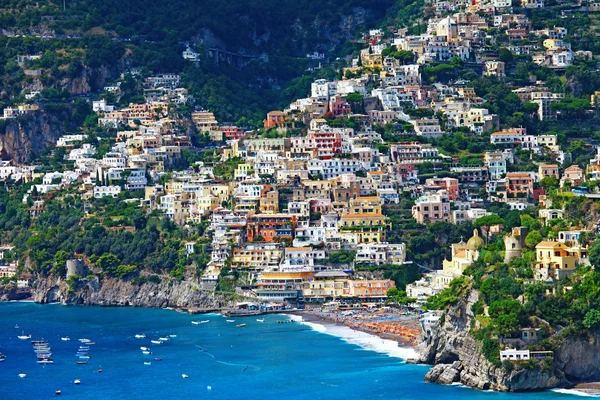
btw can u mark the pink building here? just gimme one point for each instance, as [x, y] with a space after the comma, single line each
[450, 185]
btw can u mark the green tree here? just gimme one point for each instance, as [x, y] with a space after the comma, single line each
[533, 238]
[108, 263]
[591, 319]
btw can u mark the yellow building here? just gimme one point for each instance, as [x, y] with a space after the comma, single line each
[595, 98]
[326, 289]
[372, 61]
[467, 92]
[206, 204]
[368, 227]
[365, 204]
[463, 255]
[221, 191]
[555, 260]
[257, 257]
[269, 203]
[552, 44]
[205, 121]
[243, 171]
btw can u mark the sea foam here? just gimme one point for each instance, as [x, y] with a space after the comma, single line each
[365, 340]
[575, 392]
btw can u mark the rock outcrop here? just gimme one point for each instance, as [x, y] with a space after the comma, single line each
[29, 134]
[111, 292]
[457, 357]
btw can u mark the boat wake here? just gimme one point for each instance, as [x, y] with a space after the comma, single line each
[365, 340]
[203, 350]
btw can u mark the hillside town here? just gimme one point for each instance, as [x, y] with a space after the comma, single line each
[302, 207]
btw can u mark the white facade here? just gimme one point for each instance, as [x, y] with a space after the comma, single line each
[102, 191]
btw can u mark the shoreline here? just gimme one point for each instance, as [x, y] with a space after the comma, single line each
[335, 319]
[367, 341]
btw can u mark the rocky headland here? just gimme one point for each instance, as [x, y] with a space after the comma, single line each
[111, 292]
[457, 357]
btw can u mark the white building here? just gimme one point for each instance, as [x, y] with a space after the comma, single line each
[102, 191]
[380, 253]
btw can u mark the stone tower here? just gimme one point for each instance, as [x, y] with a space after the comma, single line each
[514, 243]
[76, 267]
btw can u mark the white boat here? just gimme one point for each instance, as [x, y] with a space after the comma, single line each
[164, 339]
[172, 336]
[83, 357]
[144, 348]
[45, 361]
[138, 336]
[260, 320]
[196, 322]
[22, 375]
[147, 363]
[65, 339]
[230, 320]
[147, 352]
[205, 321]
[77, 381]
[2, 357]
[209, 388]
[85, 340]
[156, 341]
[184, 376]
[241, 325]
[24, 337]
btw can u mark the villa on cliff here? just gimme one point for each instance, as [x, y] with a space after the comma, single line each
[462, 256]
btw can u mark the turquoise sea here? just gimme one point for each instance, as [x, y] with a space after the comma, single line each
[260, 361]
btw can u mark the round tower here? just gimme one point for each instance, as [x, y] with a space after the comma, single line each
[75, 267]
[513, 248]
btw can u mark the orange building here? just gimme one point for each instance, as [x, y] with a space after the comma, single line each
[270, 226]
[274, 119]
[519, 185]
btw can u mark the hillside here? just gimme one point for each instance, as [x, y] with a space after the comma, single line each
[253, 54]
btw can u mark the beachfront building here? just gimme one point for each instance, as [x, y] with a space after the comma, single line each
[280, 286]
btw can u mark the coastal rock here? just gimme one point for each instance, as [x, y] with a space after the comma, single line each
[112, 292]
[445, 374]
[457, 357]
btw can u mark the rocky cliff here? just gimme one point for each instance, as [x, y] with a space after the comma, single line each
[29, 134]
[457, 357]
[111, 292]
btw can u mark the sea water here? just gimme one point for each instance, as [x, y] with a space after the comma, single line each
[263, 360]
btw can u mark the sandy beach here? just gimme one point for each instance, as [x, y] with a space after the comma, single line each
[404, 329]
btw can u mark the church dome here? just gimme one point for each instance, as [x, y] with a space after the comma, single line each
[475, 242]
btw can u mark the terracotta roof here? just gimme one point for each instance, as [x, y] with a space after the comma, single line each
[549, 244]
[363, 215]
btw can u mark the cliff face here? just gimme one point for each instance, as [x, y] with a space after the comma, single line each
[91, 79]
[457, 357]
[30, 134]
[110, 292]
